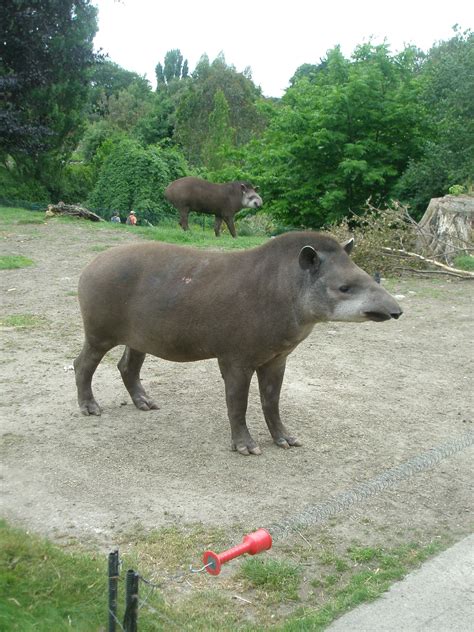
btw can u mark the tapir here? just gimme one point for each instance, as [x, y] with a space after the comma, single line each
[249, 309]
[221, 200]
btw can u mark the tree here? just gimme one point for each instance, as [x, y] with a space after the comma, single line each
[220, 135]
[174, 68]
[134, 177]
[107, 80]
[447, 92]
[46, 49]
[343, 134]
[196, 101]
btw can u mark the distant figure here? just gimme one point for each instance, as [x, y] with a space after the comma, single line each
[131, 219]
[116, 218]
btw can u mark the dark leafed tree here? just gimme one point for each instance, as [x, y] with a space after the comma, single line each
[46, 51]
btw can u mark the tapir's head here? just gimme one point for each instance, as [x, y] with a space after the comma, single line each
[250, 197]
[335, 288]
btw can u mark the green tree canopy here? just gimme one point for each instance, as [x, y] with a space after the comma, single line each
[196, 102]
[342, 134]
[447, 81]
[46, 50]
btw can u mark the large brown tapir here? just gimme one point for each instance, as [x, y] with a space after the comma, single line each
[221, 200]
[249, 309]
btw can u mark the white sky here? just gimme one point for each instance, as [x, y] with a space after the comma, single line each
[270, 36]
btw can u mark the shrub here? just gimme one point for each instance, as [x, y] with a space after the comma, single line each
[133, 177]
[389, 227]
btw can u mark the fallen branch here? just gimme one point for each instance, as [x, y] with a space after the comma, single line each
[72, 210]
[406, 253]
[418, 271]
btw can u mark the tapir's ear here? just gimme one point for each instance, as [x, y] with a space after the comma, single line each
[243, 187]
[309, 259]
[348, 245]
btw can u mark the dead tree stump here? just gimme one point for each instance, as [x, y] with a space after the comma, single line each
[446, 228]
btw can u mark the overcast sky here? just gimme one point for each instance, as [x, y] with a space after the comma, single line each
[271, 36]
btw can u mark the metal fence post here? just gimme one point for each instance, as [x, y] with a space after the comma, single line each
[130, 620]
[113, 588]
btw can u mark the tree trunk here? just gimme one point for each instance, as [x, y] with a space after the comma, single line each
[446, 228]
[73, 210]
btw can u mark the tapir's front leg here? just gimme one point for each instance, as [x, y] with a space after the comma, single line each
[270, 378]
[237, 382]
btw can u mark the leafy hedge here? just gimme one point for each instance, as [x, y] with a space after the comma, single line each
[134, 177]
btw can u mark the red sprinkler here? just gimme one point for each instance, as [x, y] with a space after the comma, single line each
[252, 543]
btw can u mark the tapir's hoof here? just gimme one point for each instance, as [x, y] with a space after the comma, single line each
[90, 407]
[288, 442]
[246, 450]
[145, 403]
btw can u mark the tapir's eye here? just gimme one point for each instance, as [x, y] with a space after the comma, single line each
[344, 288]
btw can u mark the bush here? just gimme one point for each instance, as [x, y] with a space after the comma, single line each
[14, 188]
[133, 177]
[378, 228]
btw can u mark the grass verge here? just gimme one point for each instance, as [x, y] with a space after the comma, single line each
[47, 588]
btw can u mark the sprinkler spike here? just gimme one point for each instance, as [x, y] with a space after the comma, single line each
[253, 543]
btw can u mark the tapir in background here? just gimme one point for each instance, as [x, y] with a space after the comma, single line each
[249, 309]
[221, 200]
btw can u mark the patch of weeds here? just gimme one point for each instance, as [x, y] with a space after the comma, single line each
[464, 262]
[98, 248]
[363, 554]
[31, 220]
[71, 293]
[330, 580]
[173, 547]
[12, 262]
[21, 321]
[375, 571]
[280, 578]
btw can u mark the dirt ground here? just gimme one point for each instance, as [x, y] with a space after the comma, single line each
[361, 397]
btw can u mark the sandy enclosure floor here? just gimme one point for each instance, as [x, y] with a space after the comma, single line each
[361, 397]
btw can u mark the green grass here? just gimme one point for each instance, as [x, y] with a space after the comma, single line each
[46, 588]
[464, 262]
[365, 575]
[12, 262]
[10, 215]
[26, 321]
[279, 579]
[168, 231]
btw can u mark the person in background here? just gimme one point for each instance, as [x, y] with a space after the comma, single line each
[132, 219]
[116, 218]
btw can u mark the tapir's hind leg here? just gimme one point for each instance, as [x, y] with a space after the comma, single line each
[84, 367]
[129, 366]
[270, 378]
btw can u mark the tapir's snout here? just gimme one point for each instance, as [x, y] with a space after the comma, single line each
[384, 307]
[381, 316]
